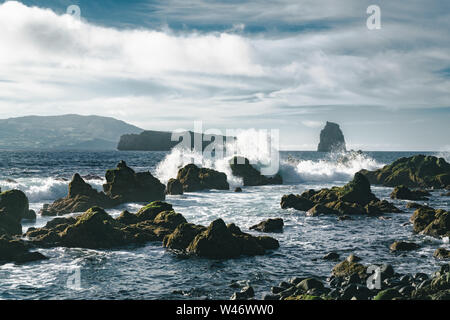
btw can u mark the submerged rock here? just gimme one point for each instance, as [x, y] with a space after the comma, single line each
[218, 241]
[15, 250]
[269, 225]
[404, 193]
[124, 185]
[193, 178]
[241, 167]
[80, 198]
[349, 267]
[331, 139]
[355, 198]
[414, 172]
[428, 221]
[13, 208]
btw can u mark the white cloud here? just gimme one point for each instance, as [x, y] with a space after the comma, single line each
[156, 79]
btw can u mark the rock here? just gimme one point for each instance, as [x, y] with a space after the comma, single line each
[403, 246]
[442, 253]
[331, 139]
[221, 242]
[415, 205]
[436, 288]
[331, 256]
[319, 209]
[194, 179]
[15, 250]
[80, 198]
[183, 235]
[124, 185]
[435, 223]
[404, 193]
[348, 267]
[151, 210]
[238, 189]
[31, 215]
[95, 229]
[13, 208]
[296, 202]
[174, 187]
[388, 294]
[270, 225]
[241, 167]
[309, 284]
[355, 198]
[419, 171]
[344, 218]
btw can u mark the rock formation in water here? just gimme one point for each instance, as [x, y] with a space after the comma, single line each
[162, 141]
[241, 167]
[122, 185]
[354, 198]
[414, 172]
[193, 178]
[331, 138]
[431, 222]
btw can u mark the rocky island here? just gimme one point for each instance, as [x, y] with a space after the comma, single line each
[331, 138]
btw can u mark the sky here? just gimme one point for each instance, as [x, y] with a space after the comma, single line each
[278, 64]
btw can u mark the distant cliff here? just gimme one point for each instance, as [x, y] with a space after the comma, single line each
[158, 141]
[331, 138]
[65, 132]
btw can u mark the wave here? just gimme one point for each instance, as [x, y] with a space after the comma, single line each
[331, 167]
[43, 189]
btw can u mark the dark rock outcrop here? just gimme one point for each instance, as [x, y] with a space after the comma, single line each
[442, 254]
[355, 198]
[414, 172]
[428, 221]
[331, 138]
[218, 241]
[269, 225]
[80, 198]
[15, 250]
[193, 178]
[437, 288]
[96, 229]
[174, 187]
[125, 185]
[403, 246]
[404, 193]
[241, 167]
[13, 208]
[349, 267]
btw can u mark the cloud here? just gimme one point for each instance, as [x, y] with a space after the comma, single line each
[227, 75]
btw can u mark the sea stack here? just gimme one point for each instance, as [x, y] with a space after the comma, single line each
[331, 138]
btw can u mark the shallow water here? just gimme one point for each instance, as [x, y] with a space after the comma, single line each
[151, 272]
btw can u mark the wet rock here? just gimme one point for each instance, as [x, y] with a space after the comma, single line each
[241, 167]
[80, 198]
[331, 139]
[271, 297]
[344, 218]
[245, 294]
[124, 185]
[194, 179]
[151, 210]
[404, 193]
[442, 254]
[403, 246]
[414, 172]
[238, 189]
[16, 250]
[174, 187]
[13, 208]
[270, 225]
[355, 198]
[388, 294]
[435, 223]
[183, 235]
[309, 284]
[296, 202]
[415, 205]
[350, 266]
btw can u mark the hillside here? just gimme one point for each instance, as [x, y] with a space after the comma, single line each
[64, 132]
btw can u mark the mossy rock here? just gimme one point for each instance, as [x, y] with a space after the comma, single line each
[388, 294]
[151, 210]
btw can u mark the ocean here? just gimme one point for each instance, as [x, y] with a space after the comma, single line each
[151, 272]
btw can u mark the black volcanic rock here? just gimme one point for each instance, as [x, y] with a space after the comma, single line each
[413, 172]
[193, 178]
[13, 208]
[331, 138]
[241, 167]
[162, 141]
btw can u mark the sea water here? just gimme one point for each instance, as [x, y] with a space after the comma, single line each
[151, 272]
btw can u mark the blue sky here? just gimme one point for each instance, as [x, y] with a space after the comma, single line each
[288, 65]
